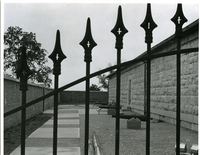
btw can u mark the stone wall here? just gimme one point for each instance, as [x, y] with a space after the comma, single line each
[112, 89]
[12, 100]
[78, 97]
[163, 83]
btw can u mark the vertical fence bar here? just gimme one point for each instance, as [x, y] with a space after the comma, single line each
[145, 87]
[178, 19]
[117, 131]
[55, 118]
[57, 57]
[23, 123]
[148, 26]
[23, 72]
[87, 100]
[148, 115]
[88, 44]
[119, 30]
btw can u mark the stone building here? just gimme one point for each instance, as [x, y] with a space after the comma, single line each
[163, 82]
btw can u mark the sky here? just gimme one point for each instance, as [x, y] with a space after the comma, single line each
[45, 19]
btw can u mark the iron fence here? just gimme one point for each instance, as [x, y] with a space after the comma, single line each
[88, 44]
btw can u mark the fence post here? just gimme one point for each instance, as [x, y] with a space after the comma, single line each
[178, 19]
[148, 25]
[88, 44]
[23, 72]
[119, 30]
[57, 56]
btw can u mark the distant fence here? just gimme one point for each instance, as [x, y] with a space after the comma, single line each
[12, 99]
[78, 97]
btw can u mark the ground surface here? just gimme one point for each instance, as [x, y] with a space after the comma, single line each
[132, 142]
[12, 136]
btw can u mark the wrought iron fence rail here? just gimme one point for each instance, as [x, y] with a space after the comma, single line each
[28, 104]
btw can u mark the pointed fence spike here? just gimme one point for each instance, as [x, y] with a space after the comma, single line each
[23, 71]
[179, 19]
[57, 56]
[23, 67]
[88, 42]
[148, 25]
[119, 30]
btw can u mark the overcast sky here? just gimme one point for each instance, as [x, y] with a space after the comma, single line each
[45, 19]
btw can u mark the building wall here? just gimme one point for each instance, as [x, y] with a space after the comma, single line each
[112, 89]
[78, 97]
[163, 84]
[12, 100]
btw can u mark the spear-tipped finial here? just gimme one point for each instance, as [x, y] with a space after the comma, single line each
[23, 71]
[119, 30]
[148, 25]
[88, 42]
[57, 56]
[179, 19]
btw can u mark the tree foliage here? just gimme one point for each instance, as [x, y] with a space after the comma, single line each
[14, 39]
[94, 87]
[103, 81]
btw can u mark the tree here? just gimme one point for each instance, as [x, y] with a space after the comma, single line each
[94, 87]
[14, 39]
[103, 81]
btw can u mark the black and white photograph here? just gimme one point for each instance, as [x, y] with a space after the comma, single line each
[99, 77]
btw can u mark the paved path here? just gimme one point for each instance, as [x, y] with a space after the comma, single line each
[40, 142]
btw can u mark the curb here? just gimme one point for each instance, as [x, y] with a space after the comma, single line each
[90, 148]
[94, 148]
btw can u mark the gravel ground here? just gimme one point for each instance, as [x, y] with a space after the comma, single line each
[132, 142]
[12, 136]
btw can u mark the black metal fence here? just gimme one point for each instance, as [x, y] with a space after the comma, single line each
[88, 43]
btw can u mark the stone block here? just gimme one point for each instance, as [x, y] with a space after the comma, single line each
[133, 123]
[195, 110]
[111, 111]
[194, 127]
[186, 125]
[172, 107]
[188, 109]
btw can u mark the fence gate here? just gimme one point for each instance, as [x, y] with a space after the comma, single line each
[88, 43]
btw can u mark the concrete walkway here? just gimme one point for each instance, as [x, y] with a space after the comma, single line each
[40, 142]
